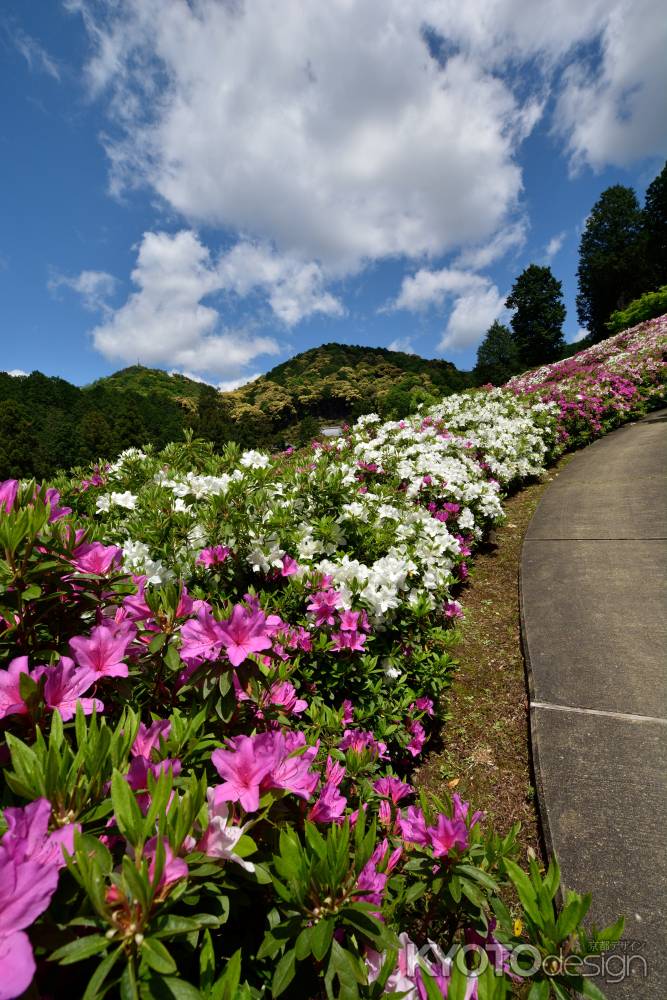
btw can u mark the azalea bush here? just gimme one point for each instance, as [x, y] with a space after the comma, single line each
[607, 384]
[218, 672]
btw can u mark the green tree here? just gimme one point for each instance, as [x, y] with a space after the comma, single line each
[18, 441]
[612, 262]
[537, 301]
[95, 438]
[497, 356]
[655, 228]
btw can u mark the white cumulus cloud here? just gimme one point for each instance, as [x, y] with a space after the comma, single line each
[471, 316]
[165, 322]
[94, 287]
[403, 344]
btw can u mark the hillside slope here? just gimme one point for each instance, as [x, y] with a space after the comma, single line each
[48, 424]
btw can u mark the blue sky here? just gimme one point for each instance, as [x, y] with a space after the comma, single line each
[213, 187]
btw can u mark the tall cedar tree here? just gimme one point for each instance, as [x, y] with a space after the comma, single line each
[655, 227]
[497, 356]
[537, 299]
[612, 260]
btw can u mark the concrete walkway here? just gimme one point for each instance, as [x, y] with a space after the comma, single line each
[594, 624]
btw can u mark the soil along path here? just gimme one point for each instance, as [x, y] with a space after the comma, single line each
[594, 626]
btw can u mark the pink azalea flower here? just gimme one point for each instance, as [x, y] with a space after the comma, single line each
[461, 811]
[255, 764]
[283, 695]
[244, 767]
[290, 566]
[148, 738]
[416, 744]
[174, 868]
[11, 702]
[323, 605]
[8, 492]
[95, 558]
[392, 788]
[423, 705]
[215, 555]
[446, 834]
[353, 641]
[221, 837]
[103, 651]
[349, 621]
[348, 712]
[65, 683]
[359, 741]
[329, 806]
[53, 500]
[201, 636]
[30, 858]
[453, 609]
[244, 633]
[27, 837]
[413, 826]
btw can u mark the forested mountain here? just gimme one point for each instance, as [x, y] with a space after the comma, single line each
[48, 424]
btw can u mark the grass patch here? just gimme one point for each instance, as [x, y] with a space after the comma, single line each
[483, 747]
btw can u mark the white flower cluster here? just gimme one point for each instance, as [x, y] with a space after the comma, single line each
[387, 511]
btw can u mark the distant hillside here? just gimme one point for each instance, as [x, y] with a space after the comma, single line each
[340, 382]
[48, 424]
[147, 381]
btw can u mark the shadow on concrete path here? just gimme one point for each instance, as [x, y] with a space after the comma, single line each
[594, 627]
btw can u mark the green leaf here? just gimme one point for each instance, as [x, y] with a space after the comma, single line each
[179, 989]
[100, 974]
[539, 990]
[206, 962]
[587, 988]
[157, 957]
[284, 973]
[524, 890]
[227, 986]
[321, 937]
[128, 815]
[81, 948]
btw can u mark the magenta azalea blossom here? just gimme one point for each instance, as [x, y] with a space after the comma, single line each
[413, 826]
[244, 633]
[329, 806]
[148, 738]
[103, 652]
[65, 683]
[53, 500]
[202, 636]
[283, 695]
[252, 765]
[353, 641]
[290, 566]
[215, 555]
[323, 605]
[97, 559]
[446, 834]
[30, 858]
[418, 734]
[8, 492]
[244, 767]
[393, 788]
[174, 868]
[11, 702]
